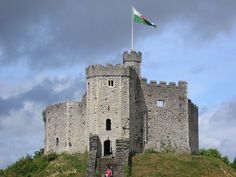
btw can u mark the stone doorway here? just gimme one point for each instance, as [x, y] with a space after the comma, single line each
[107, 147]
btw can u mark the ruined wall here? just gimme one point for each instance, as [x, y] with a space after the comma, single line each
[65, 127]
[167, 116]
[108, 99]
[193, 127]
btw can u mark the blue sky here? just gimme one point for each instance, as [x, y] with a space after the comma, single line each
[46, 45]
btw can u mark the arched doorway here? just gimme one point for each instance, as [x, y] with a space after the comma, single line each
[107, 147]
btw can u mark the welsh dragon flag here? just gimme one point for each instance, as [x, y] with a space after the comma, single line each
[139, 18]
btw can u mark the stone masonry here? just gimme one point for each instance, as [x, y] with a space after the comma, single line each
[121, 105]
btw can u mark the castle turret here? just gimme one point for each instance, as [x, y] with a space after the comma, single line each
[133, 59]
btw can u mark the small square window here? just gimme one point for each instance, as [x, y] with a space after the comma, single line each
[110, 83]
[160, 103]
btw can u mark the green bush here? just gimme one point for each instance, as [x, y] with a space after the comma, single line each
[233, 165]
[150, 150]
[225, 159]
[215, 153]
[51, 157]
[211, 153]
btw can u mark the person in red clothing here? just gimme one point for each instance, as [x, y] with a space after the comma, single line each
[108, 172]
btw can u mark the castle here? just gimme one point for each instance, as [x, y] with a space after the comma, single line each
[121, 105]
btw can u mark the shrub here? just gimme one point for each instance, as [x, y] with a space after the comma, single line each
[51, 157]
[215, 153]
[233, 165]
[225, 159]
[150, 150]
[210, 152]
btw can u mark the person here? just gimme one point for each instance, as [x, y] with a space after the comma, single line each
[108, 172]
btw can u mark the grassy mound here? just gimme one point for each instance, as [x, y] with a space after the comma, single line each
[149, 164]
[173, 165]
[53, 165]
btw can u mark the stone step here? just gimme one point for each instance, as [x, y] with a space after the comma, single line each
[117, 165]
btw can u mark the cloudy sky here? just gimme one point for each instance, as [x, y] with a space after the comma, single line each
[45, 46]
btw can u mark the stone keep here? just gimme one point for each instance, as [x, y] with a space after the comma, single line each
[120, 104]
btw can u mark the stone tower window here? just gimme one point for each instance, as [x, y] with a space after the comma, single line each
[160, 103]
[108, 124]
[110, 83]
[57, 141]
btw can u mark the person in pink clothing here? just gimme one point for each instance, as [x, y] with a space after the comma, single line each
[108, 172]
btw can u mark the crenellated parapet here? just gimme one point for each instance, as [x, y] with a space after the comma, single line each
[107, 71]
[163, 84]
[64, 104]
[133, 56]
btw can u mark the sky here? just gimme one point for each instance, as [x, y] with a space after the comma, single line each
[45, 46]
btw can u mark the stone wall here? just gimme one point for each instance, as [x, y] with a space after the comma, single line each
[65, 128]
[94, 153]
[167, 116]
[138, 112]
[193, 127]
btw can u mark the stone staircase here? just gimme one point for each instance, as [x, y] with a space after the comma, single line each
[117, 166]
[98, 163]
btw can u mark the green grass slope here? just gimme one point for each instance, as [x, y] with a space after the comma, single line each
[173, 165]
[52, 165]
[149, 164]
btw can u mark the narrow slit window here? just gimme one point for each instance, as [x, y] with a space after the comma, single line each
[57, 141]
[108, 124]
[110, 83]
[160, 103]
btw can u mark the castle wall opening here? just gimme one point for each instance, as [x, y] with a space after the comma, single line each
[108, 124]
[57, 141]
[107, 148]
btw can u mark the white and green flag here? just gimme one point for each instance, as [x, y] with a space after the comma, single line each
[139, 18]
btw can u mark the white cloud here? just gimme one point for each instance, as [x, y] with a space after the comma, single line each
[21, 132]
[217, 129]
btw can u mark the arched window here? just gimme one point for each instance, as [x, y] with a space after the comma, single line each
[57, 141]
[108, 124]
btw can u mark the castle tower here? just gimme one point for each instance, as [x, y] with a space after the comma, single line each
[107, 108]
[133, 59]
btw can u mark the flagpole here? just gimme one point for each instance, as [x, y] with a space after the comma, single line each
[132, 30]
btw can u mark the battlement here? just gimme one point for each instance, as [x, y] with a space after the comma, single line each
[108, 70]
[133, 56]
[63, 106]
[163, 84]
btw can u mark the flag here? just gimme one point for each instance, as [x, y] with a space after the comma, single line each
[139, 18]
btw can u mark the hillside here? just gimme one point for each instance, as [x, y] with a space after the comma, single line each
[48, 166]
[144, 165]
[172, 165]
